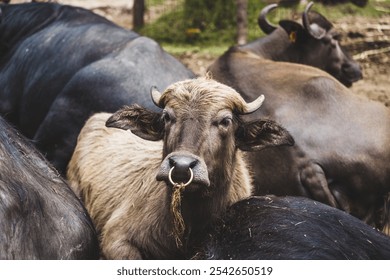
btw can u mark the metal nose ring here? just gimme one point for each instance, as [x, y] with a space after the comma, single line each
[182, 184]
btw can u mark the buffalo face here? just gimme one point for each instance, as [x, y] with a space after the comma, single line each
[324, 44]
[201, 127]
[315, 43]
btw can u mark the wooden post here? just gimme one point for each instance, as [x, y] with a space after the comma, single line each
[138, 13]
[242, 21]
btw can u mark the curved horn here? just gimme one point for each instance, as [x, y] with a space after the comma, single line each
[254, 105]
[262, 21]
[156, 95]
[317, 33]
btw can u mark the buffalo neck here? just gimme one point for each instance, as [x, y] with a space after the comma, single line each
[201, 208]
[275, 46]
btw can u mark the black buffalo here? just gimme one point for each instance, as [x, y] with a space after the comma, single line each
[341, 154]
[315, 43]
[291, 228]
[40, 216]
[59, 64]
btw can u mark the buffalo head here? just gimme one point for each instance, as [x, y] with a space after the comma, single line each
[315, 43]
[202, 127]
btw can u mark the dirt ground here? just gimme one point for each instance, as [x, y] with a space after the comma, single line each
[367, 40]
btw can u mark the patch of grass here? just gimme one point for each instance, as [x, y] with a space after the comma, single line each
[167, 29]
[175, 30]
[177, 50]
[150, 3]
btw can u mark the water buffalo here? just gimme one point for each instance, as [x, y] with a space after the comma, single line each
[315, 43]
[341, 154]
[40, 216]
[292, 228]
[60, 64]
[198, 167]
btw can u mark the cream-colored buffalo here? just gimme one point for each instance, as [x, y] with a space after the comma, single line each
[155, 199]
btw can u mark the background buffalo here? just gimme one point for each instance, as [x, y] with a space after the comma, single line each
[59, 64]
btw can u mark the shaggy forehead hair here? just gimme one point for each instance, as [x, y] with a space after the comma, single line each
[204, 93]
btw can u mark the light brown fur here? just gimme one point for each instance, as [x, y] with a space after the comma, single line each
[114, 173]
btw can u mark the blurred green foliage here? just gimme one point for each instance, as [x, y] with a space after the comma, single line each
[213, 23]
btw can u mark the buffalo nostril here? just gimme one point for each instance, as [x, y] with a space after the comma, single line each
[182, 162]
[182, 167]
[352, 72]
[193, 164]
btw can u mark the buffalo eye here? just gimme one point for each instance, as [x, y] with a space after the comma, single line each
[326, 40]
[225, 122]
[167, 117]
[337, 36]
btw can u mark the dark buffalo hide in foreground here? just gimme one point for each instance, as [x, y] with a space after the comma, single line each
[40, 216]
[59, 64]
[293, 228]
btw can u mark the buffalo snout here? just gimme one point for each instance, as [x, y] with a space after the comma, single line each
[183, 168]
[352, 72]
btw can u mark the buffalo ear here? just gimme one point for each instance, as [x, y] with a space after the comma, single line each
[260, 134]
[294, 30]
[320, 20]
[142, 122]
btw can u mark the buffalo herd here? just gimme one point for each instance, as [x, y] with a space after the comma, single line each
[270, 155]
